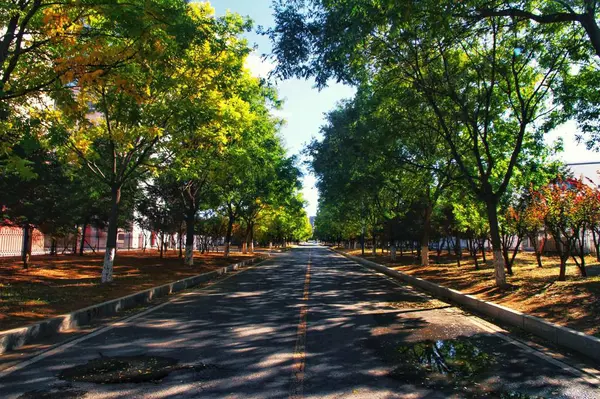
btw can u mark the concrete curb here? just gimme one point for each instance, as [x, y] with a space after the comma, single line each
[15, 338]
[575, 340]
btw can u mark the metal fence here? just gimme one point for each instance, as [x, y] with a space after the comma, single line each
[94, 240]
[12, 241]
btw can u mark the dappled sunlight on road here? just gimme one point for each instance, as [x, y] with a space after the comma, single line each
[238, 338]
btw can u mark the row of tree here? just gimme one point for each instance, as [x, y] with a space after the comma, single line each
[452, 102]
[141, 109]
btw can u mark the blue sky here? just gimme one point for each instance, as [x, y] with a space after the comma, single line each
[305, 106]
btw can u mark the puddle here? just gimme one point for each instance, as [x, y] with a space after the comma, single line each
[447, 359]
[456, 366]
[442, 362]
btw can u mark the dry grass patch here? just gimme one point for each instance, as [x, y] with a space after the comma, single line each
[54, 285]
[573, 303]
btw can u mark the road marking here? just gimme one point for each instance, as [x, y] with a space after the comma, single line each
[589, 376]
[297, 378]
[121, 323]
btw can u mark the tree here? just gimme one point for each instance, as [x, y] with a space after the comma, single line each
[47, 44]
[253, 152]
[133, 109]
[208, 85]
[159, 210]
[563, 203]
[487, 82]
[40, 202]
[473, 225]
[583, 13]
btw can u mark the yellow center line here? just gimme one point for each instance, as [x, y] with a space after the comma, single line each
[297, 379]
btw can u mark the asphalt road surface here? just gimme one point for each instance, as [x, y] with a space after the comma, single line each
[307, 323]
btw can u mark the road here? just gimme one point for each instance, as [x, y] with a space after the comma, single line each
[307, 323]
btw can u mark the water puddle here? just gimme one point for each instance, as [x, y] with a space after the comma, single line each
[128, 369]
[442, 360]
[457, 366]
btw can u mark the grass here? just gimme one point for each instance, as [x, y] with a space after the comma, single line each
[54, 285]
[574, 303]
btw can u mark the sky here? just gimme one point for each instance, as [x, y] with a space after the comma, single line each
[304, 106]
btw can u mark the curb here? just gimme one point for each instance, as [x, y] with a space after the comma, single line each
[566, 337]
[18, 337]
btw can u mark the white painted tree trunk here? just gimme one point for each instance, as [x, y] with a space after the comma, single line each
[252, 246]
[393, 253]
[499, 272]
[424, 255]
[107, 267]
[226, 251]
[189, 255]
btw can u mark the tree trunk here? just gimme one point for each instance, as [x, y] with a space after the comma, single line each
[53, 246]
[180, 240]
[441, 244]
[228, 236]
[111, 237]
[581, 264]
[393, 251]
[144, 242]
[162, 244]
[499, 272]
[510, 257]
[425, 236]
[190, 234]
[562, 276]
[362, 241]
[458, 250]
[596, 246]
[538, 258]
[536, 248]
[483, 256]
[252, 238]
[75, 240]
[505, 241]
[473, 250]
[374, 244]
[83, 229]
[246, 240]
[26, 248]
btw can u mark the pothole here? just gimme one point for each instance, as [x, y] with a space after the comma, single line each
[128, 369]
[62, 392]
[418, 304]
